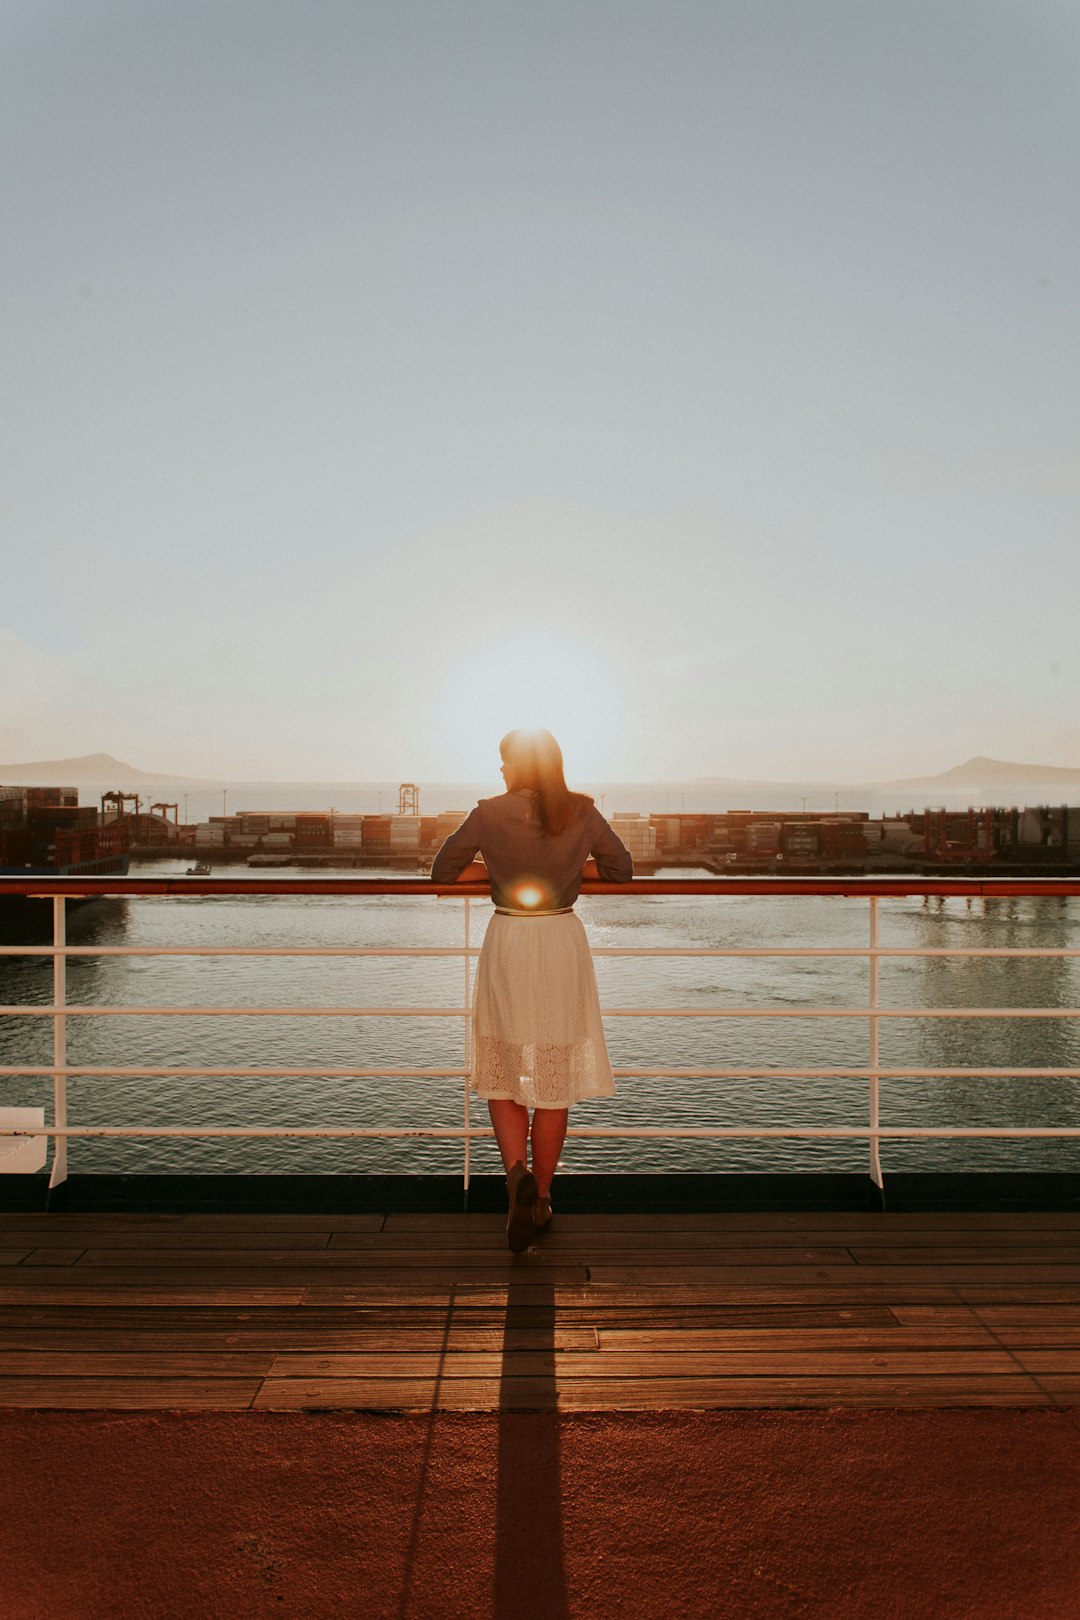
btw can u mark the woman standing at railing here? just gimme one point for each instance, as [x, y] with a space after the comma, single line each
[538, 1039]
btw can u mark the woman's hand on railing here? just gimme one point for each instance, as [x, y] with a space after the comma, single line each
[475, 872]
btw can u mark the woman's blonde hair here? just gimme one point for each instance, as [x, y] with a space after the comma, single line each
[539, 764]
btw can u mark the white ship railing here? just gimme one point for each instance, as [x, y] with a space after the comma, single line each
[872, 1072]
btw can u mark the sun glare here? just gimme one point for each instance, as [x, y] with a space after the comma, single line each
[531, 683]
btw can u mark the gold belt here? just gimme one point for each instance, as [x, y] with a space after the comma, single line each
[505, 911]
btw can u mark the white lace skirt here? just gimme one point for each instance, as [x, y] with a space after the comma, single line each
[538, 1037]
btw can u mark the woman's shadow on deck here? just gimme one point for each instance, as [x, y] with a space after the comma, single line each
[530, 1564]
[530, 1558]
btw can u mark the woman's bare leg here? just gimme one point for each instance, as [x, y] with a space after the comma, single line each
[548, 1135]
[511, 1122]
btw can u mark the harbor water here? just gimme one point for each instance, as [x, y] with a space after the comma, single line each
[774, 1043]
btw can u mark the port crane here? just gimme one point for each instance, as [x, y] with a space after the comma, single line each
[119, 800]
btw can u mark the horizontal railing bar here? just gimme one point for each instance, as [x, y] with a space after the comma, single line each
[957, 1072]
[243, 1130]
[836, 950]
[646, 951]
[239, 950]
[860, 1132]
[100, 1071]
[841, 1012]
[69, 1010]
[857, 1132]
[839, 950]
[853, 885]
[175, 1072]
[75, 1011]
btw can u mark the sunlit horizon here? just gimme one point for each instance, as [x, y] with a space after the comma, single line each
[528, 682]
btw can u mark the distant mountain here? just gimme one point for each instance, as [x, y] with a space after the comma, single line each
[84, 768]
[979, 771]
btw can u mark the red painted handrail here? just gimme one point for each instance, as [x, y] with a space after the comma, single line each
[85, 887]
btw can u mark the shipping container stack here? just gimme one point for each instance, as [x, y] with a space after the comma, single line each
[44, 821]
[51, 798]
[638, 834]
[14, 828]
[313, 831]
[800, 842]
[843, 840]
[349, 833]
[447, 822]
[47, 827]
[404, 834]
[376, 835]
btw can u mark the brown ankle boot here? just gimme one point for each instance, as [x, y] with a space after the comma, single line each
[522, 1193]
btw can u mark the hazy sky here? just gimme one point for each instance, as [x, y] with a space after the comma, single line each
[700, 379]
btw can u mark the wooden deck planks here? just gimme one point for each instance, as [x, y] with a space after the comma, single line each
[311, 1262]
[663, 1240]
[123, 1220]
[404, 1340]
[81, 1278]
[563, 1366]
[764, 1221]
[645, 1394]
[130, 1394]
[154, 1295]
[686, 1248]
[418, 1313]
[998, 1256]
[42, 1240]
[471, 1261]
[129, 1363]
[718, 1275]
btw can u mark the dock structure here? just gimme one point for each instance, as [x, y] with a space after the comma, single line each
[429, 1312]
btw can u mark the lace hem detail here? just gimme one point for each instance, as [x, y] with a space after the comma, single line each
[540, 1074]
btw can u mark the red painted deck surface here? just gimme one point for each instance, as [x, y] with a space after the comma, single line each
[715, 1414]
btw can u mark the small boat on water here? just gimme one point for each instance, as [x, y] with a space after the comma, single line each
[200, 869]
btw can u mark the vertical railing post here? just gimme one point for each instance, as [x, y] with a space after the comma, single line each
[875, 1060]
[468, 1037]
[59, 1023]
